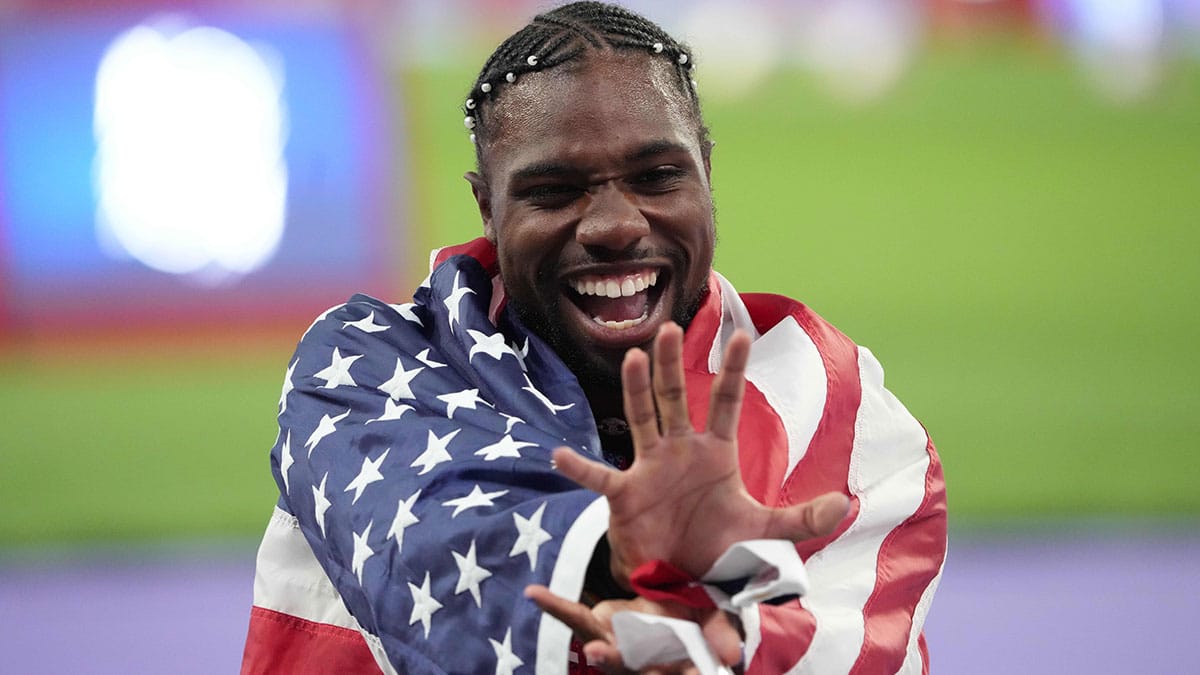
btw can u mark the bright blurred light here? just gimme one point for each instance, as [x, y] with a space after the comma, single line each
[736, 43]
[1120, 45]
[860, 48]
[189, 172]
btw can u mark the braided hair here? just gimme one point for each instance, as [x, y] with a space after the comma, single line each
[565, 34]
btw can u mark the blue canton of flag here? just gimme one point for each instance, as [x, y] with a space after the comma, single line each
[414, 449]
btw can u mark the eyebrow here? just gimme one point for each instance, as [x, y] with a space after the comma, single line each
[553, 168]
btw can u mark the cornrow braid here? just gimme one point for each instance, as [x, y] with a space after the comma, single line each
[563, 35]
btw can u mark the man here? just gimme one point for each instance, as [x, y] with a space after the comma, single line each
[431, 454]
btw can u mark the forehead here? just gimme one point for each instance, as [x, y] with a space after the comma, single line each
[598, 108]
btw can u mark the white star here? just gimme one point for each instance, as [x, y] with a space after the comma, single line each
[506, 661]
[423, 357]
[391, 411]
[369, 473]
[477, 498]
[436, 452]
[398, 387]
[366, 324]
[406, 311]
[404, 518]
[287, 386]
[285, 458]
[424, 606]
[542, 397]
[530, 536]
[362, 551]
[338, 371]
[512, 421]
[522, 354]
[493, 345]
[505, 447]
[425, 282]
[470, 574]
[452, 301]
[467, 398]
[324, 428]
[320, 503]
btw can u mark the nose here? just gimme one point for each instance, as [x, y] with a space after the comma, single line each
[611, 220]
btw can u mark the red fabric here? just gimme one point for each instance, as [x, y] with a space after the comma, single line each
[288, 645]
[661, 581]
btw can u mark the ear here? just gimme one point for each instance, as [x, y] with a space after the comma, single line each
[483, 199]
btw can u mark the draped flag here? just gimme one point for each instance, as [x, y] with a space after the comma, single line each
[417, 497]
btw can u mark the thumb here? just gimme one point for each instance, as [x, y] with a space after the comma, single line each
[812, 519]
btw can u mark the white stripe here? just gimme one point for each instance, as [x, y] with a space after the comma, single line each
[913, 661]
[288, 579]
[734, 315]
[554, 637]
[787, 368]
[887, 475]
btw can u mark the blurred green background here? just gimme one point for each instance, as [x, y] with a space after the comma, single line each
[1020, 255]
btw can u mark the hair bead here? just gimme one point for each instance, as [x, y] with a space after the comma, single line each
[683, 58]
[658, 47]
[470, 104]
[469, 122]
[485, 87]
[532, 60]
[510, 77]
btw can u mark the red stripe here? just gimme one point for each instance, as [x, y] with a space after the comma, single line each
[909, 559]
[283, 644]
[786, 631]
[480, 249]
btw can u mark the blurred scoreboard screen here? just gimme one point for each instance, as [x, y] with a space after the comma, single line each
[167, 167]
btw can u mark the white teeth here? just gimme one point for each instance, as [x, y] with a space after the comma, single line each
[621, 325]
[618, 287]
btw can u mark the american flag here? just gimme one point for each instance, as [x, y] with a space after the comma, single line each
[417, 492]
[414, 451]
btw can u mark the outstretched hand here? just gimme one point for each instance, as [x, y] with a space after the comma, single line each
[683, 500]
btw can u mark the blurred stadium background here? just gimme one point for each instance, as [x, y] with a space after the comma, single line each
[1000, 197]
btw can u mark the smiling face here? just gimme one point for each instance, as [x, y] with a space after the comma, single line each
[596, 194]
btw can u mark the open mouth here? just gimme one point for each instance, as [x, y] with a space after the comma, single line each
[617, 304]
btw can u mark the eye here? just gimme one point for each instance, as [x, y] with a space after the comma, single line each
[658, 179]
[551, 195]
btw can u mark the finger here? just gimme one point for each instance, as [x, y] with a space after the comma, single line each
[669, 389]
[725, 404]
[578, 617]
[639, 398]
[604, 655]
[722, 637]
[815, 518]
[589, 473]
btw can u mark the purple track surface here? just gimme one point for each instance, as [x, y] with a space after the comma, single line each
[1074, 604]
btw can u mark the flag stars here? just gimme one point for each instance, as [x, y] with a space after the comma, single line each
[391, 411]
[424, 605]
[321, 503]
[530, 536]
[366, 324]
[467, 398]
[506, 661]
[337, 373]
[399, 386]
[470, 574]
[403, 520]
[288, 386]
[550, 405]
[369, 473]
[492, 345]
[285, 459]
[436, 452]
[505, 447]
[476, 498]
[362, 552]
[326, 426]
[423, 357]
[522, 354]
[452, 301]
[406, 311]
